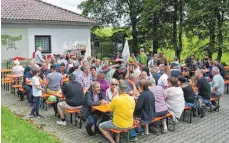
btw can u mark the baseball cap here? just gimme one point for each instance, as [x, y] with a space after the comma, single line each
[62, 65]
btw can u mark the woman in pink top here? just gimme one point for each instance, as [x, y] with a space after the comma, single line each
[160, 104]
[104, 84]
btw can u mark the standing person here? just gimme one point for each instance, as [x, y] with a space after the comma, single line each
[132, 59]
[38, 57]
[37, 92]
[27, 78]
[84, 78]
[142, 57]
[122, 107]
[73, 101]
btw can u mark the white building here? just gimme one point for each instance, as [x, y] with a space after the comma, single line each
[29, 24]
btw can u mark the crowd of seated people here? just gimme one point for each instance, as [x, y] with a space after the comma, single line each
[137, 89]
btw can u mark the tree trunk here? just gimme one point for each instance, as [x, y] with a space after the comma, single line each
[220, 18]
[175, 28]
[212, 37]
[180, 29]
[155, 33]
[134, 35]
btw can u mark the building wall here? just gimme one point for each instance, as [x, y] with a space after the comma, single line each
[21, 45]
[60, 34]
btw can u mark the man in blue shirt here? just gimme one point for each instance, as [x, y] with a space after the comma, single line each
[28, 87]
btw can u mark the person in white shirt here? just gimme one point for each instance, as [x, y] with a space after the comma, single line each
[174, 98]
[37, 92]
[17, 69]
[217, 86]
[163, 80]
[38, 57]
[113, 90]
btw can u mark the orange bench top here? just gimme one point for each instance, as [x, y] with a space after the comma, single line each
[60, 95]
[123, 131]
[187, 108]
[72, 111]
[159, 118]
[17, 86]
[212, 99]
[6, 70]
[226, 82]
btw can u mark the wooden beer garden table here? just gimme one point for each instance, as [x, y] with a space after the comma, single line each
[104, 108]
[6, 70]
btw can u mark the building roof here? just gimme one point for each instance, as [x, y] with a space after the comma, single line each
[39, 11]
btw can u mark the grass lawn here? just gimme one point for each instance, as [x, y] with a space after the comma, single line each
[18, 130]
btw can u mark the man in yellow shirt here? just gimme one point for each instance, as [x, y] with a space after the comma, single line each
[122, 107]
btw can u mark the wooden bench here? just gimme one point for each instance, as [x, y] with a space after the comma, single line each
[47, 103]
[77, 111]
[165, 117]
[16, 86]
[114, 131]
[187, 108]
[217, 99]
[7, 83]
[137, 125]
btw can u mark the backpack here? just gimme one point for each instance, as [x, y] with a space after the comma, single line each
[91, 128]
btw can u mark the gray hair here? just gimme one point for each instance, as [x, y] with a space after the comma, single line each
[94, 83]
[215, 69]
[114, 81]
[84, 67]
[72, 77]
[132, 76]
[151, 82]
[123, 87]
[35, 70]
[31, 62]
[76, 65]
[39, 48]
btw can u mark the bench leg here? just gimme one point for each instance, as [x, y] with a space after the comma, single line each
[227, 87]
[46, 107]
[127, 137]
[71, 117]
[184, 115]
[190, 114]
[218, 105]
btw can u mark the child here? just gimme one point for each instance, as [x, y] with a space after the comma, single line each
[37, 92]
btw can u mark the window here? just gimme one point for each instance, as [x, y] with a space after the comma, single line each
[44, 42]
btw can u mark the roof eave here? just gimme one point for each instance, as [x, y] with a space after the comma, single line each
[20, 21]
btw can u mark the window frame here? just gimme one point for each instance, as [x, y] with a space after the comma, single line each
[46, 36]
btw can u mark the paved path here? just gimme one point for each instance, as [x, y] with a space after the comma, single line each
[213, 128]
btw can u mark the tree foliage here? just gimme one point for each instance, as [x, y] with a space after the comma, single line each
[157, 24]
